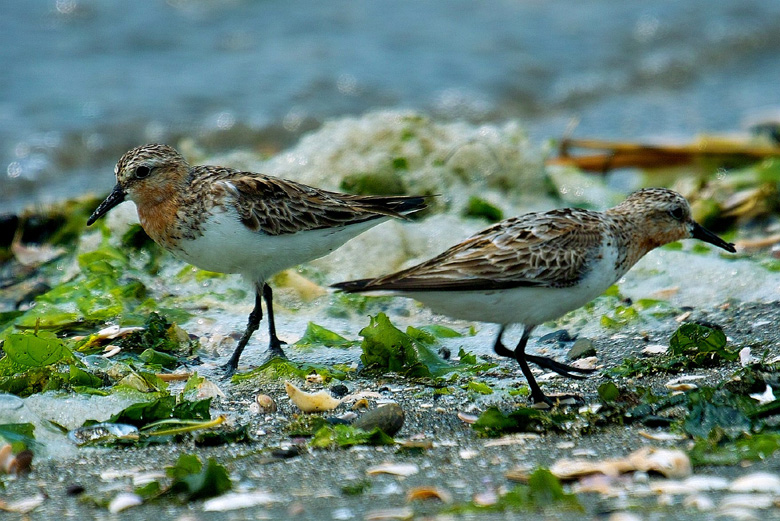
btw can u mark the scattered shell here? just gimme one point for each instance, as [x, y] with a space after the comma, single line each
[597, 483]
[361, 395]
[360, 404]
[428, 492]
[680, 386]
[745, 357]
[111, 350]
[683, 317]
[123, 501]
[314, 378]
[311, 402]
[699, 502]
[519, 474]
[237, 500]
[208, 389]
[265, 403]
[589, 362]
[486, 498]
[767, 396]
[100, 432]
[11, 463]
[623, 516]
[23, 506]
[746, 501]
[467, 418]
[707, 483]
[662, 436]
[512, 439]
[467, 454]
[670, 487]
[669, 463]
[666, 293]
[389, 418]
[396, 469]
[655, 349]
[173, 377]
[112, 332]
[417, 444]
[34, 254]
[757, 482]
[389, 514]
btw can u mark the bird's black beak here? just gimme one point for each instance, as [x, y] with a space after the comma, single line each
[703, 234]
[116, 196]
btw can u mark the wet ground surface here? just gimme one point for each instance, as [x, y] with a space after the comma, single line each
[311, 485]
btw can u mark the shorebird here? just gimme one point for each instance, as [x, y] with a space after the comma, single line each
[536, 267]
[228, 221]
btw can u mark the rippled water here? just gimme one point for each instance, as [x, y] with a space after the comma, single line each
[85, 80]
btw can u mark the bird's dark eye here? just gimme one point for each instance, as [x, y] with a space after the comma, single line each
[142, 171]
[677, 213]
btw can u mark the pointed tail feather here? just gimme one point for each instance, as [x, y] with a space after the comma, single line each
[352, 286]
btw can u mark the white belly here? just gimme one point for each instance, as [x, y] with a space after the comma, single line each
[227, 246]
[523, 305]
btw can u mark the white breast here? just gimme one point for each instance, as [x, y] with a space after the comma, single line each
[227, 246]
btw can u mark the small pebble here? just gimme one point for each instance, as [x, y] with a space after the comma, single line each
[339, 390]
[582, 347]
[389, 418]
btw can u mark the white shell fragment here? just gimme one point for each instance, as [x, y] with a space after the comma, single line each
[467, 418]
[662, 436]
[655, 349]
[745, 357]
[23, 506]
[757, 482]
[311, 402]
[396, 469]
[265, 403]
[389, 514]
[669, 463]
[123, 501]
[767, 396]
[112, 332]
[237, 500]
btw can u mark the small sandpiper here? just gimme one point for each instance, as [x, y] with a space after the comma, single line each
[538, 266]
[228, 221]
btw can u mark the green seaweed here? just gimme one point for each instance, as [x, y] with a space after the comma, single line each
[191, 480]
[21, 436]
[543, 492]
[334, 436]
[413, 353]
[317, 335]
[481, 209]
[478, 387]
[278, 368]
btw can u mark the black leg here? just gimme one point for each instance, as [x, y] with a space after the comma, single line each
[536, 392]
[254, 322]
[561, 369]
[274, 344]
[500, 348]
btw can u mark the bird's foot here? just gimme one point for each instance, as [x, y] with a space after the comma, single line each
[543, 401]
[275, 349]
[557, 367]
[229, 369]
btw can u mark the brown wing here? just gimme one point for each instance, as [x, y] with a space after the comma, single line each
[277, 206]
[541, 249]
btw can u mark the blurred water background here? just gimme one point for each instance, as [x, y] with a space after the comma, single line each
[84, 80]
